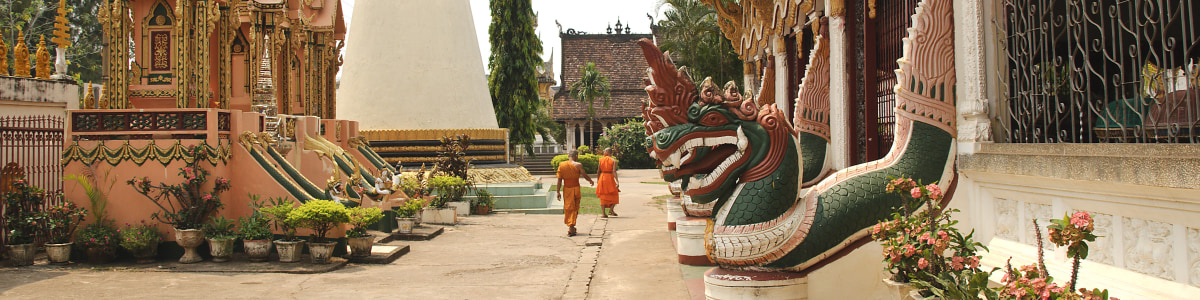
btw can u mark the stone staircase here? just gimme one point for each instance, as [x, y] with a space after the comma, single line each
[525, 197]
[540, 165]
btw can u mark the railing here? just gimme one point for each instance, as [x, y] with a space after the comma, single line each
[30, 148]
[145, 123]
[1087, 71]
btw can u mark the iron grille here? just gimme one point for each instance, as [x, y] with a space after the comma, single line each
[1088, 71]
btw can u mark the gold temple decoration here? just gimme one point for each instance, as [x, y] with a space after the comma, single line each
[43, 60]
[20, 56]
[871, 8]
[194, 25]
[115, 19]
[62, 29]
[3, 56]
[837, 8]
[88, 97]
[103, 102]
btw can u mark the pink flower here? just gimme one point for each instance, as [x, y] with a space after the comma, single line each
[943, 235]
[957, 263]
[916, 192]
[925, 238]
[922, 263]
[1081, 219]
[207, 197]
[909, 250]
[935, 191]
[974, 261]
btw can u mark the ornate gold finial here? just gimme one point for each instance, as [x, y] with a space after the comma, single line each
[3, 56]
[88, 97]
[871, 8]
[20, 56]
[43, 60]
[62, 29]
[103, 102]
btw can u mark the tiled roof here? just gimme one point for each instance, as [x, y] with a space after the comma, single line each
[618, 57]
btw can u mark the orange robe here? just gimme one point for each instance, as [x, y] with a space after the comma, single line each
[606, 187]
[570, 189]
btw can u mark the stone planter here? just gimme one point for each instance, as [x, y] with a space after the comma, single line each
[361, 246]
[461, 208]
[903, 291]
[257, 250]
[147, 255]
[189, 239]
[59, 253]
[100, 254]
[444, 216]
[289, 251]
[405, 225]
[417, 217]
[21, 255]
[321, 253]
[220, 249]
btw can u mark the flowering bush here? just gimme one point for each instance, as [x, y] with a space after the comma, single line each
[920, 241]
[139, 237]
[184, 205]
[99, 235]
[22, 216]
[1032, 281]
[61, 220]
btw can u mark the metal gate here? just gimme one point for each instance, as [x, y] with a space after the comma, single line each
[31, 147]
[884, 44]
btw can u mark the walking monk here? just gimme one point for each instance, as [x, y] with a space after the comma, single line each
[607, 187]
[568, 182]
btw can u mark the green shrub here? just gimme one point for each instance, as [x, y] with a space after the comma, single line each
[220, 228]
[410, 208]
[137, 238]
[483, 198]
[360, 218]
[99, 235]
[320, 216]
[629, 144]
[257, 226]
[449, 188]
[591, 162]
[584, 149]
[278, 211]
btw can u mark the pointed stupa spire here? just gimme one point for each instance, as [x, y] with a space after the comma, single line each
[264, 89]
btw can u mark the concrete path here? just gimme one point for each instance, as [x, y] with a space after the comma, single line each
[499, 256]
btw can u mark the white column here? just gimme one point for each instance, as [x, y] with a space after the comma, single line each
[974, 125]
[781, 74]
[840, 96]
[570, 142]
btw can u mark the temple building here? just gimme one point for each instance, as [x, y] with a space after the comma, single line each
[616, 56]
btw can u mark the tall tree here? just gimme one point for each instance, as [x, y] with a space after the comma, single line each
[36, 18]
[592, 85]
[516, 53]
[690, 32]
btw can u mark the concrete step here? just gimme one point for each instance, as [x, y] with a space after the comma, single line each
[419, 233]
[380, 254]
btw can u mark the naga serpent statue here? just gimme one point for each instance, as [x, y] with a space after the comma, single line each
[744, 163]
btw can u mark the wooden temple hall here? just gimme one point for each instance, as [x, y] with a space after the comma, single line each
[269, 56]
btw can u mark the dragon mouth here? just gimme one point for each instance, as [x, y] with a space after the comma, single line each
[712, 156]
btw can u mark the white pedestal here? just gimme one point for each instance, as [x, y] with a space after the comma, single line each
[690, 238]
[727, 285]
[443, 216]
[461, 208]
[674, 211]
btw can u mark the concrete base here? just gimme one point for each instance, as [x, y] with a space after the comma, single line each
[444, 216]
[419, 233]
[674, 211]
[381, 254]
[690, 240]
[461, 208]
[726, 284]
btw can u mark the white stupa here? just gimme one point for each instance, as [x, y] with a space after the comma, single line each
[414, 65]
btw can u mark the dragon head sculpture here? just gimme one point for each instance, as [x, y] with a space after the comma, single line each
[712, 139]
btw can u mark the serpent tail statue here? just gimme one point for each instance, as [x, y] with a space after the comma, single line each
[744, 162]
[812, 113]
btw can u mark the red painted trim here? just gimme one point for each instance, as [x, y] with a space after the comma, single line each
[695, 260]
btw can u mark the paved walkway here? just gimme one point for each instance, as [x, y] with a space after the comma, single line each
[499, 256]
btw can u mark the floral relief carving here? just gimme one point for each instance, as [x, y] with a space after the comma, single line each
[1193, 240]
[1148, 248]
[1101, 250]
[1042, 214]
[1006, 219]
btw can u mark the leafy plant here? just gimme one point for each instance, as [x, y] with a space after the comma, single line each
[583, 150]
[22, 215]
[410, 208]
[1033, 282]
[629, 144]
[257, 226]
[592, 85]
[591, 162]
[452, 159]
[184, 205]
[449, 188]
[95, 187]
[360, 218]
[99, 235]
[278, 211]
[483, 198]
[412, 185]
[137, 238]
[515, 57]
[320, 216]
[60, 221]
[220, 228]
[915, 243]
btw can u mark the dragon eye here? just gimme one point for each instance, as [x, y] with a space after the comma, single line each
[713, 119]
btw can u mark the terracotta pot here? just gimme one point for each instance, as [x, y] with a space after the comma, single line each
[289, 251]
[189, 239]
[321, 253]
[361, 246]
[100, 254]
[483, 210]
[21, 255]
[147, 255]
[220, 249]
[257, 250]
[405, 225]
[59, 253]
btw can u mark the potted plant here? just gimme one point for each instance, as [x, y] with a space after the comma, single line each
[289, 246]
[60, 222]
[141, 241]
[21, 219]
[100, 240]
[917, 238]
[1033, 282]
[185, 206]
[483, 202]
[449, 188]
[361, 242]
[220, 236]
[321, 216]
[255, 231]
[406, 215]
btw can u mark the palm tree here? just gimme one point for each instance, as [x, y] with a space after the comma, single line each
[690, 32]
[592, 85]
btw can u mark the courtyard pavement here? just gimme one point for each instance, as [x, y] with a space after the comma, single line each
[498, 256]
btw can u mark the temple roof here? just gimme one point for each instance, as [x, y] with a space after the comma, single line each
[616, 56]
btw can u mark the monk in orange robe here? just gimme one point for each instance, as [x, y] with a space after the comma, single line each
[568, 183]
[607, 187]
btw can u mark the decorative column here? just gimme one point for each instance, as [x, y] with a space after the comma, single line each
[62, 40]
[193, 29]
[974, 125]
[3, 56]
[116, 19]
[225, 35]
[43, 60]
[840, 95]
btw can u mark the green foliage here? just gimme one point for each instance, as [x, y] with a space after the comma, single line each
[360, 218]
[410, 208]
[36, 18]
[99, 235]
[452, 160]
[690, 32]
[320, 216]
[22, 212]
[257, 226]
[629, 144]
[136, 238]
[220, 228]
[412, 186]
[95, 186]
[184, 205]
[61, 220]
[584, 149]
[278, 210]
[483, 198]
[592, 86]
[968, 284]
[923, 245]
[516, 53]
[449, 188]
[591, 162]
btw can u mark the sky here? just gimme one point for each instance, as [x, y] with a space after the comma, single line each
[592, 16]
